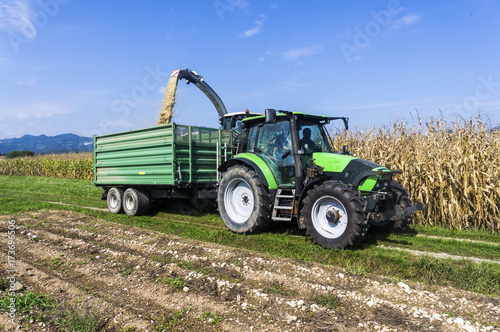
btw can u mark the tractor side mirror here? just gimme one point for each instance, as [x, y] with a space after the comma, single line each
[270, 115]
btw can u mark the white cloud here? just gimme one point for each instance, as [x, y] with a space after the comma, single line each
[295, 53]
[251, 32]
[42, 110]
[259, 25]
[407, 20]
[16, 18]
[237, 4]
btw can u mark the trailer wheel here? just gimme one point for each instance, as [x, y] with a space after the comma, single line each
[401, 197]
[200, 204]
[244, 202]
[333, 215]
[114, 200]
[135, 202]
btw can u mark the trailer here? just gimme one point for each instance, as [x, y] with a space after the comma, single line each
[170, 161]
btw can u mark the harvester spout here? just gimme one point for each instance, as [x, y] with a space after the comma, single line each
[190, 77]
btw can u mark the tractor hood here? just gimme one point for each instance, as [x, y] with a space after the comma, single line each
[362, 174]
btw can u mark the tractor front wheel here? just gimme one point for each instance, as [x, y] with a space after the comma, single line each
[244, 202]
[333, 215]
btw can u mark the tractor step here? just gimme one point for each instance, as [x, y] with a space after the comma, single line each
[283, 205]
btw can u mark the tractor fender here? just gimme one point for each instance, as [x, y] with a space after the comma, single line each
[303, 195]
[255, 163]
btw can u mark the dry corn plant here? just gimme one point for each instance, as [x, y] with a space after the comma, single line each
[69, 166]
[453, 168]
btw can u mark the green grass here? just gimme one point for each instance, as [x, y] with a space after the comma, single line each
[177, 282]
[280, 289]
[30, 306]
[331, 302]
[211, 317]
[28, 301]
[86, 320]
[171, 322]
[4, 283]
[447, 245]
[480, 235]
[126, 272]
[29, 194]
[56, 262]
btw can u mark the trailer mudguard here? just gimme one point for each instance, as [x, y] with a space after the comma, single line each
[257, 164]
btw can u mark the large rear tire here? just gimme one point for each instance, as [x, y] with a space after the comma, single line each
[244, 202]
[114, 200]
[136, 202]
[333, 215]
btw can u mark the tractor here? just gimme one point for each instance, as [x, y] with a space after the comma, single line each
[284, 169]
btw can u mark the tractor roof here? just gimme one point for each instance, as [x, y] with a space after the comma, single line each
[300, 116]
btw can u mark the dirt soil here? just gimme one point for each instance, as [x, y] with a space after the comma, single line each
[136, 278]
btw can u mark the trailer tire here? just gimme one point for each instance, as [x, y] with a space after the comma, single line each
[114, 200]
[244, 202]
[333, 215]
[401, 197]
[136, 202]
[200, 204]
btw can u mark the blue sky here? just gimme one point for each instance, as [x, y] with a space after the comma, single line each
[94, 67]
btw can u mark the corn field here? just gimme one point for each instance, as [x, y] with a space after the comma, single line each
[452, 168]
[68, 166]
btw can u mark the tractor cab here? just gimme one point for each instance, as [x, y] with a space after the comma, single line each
[232, 121]
[270, 138]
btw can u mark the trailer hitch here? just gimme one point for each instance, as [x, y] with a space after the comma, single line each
[402, 211]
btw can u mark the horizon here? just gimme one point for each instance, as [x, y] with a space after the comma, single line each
[101, 67]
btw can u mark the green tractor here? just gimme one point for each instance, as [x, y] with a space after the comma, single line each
[285, 170]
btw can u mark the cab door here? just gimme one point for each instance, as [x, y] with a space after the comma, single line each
[273, 143]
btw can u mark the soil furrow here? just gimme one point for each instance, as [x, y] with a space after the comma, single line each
[139, 276]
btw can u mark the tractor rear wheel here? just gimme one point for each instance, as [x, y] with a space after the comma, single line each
[333, 215]
[244, 202]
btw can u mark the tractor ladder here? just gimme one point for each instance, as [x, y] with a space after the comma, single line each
[283, 205]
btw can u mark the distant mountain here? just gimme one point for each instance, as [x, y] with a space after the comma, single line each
[47, 144]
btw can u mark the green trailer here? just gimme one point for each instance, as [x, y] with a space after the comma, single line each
[170, 161]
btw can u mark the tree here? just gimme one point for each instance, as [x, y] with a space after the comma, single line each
[17, 154]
